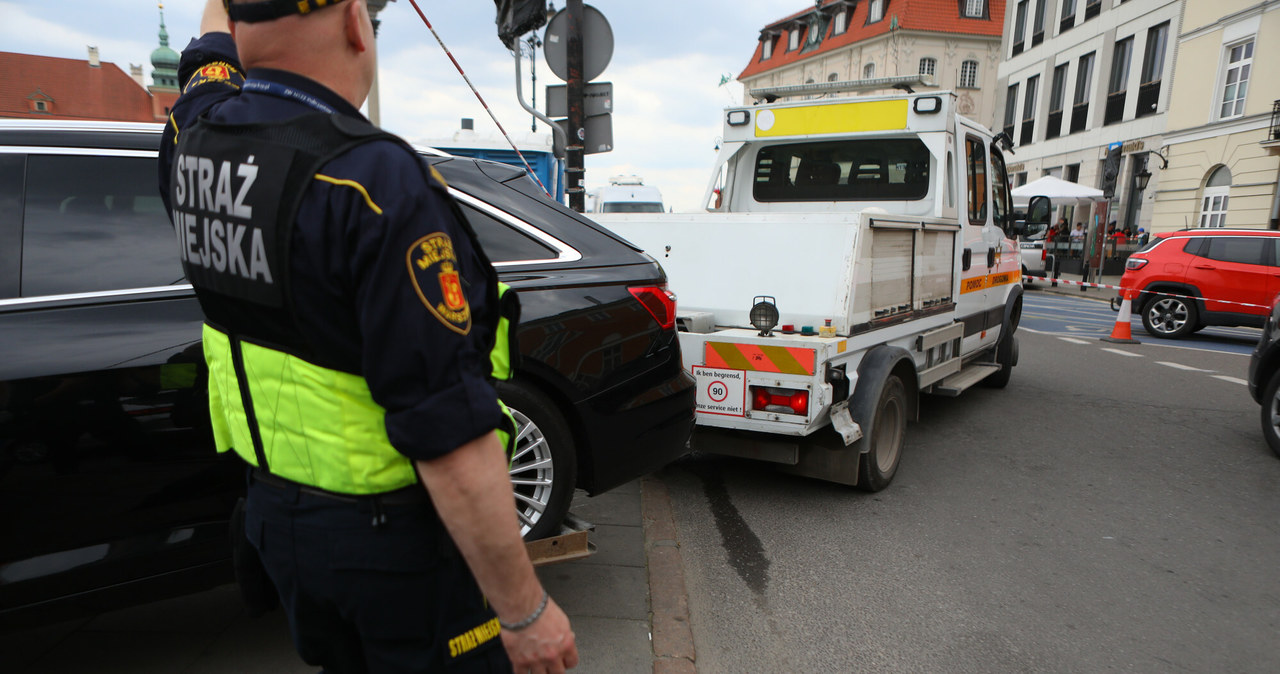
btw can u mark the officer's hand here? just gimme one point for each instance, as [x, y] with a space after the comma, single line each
[545, 647]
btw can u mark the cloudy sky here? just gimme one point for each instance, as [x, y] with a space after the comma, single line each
[668, 58]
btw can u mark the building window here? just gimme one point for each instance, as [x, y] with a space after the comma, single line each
[1092, 8]
[766, 48]
[875, 11]
[1029, 111]
[1068, 16]
[1213, 206]
[832, 77]
[869, 71]
[842, 22]
[1072, 174]
[1152, 70]
[975, 9]
[1019, 27]
[42, 106]
[969, 75]
[1080, 101]
[1037, 24]
[928, 66]
[1235, 81]
[1010, 110]
[1119, 82]
[793, 38]
[1057, 99]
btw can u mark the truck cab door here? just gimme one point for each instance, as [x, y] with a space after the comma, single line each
[981, 245]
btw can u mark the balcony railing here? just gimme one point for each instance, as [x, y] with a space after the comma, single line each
[1115, 108]
[1055, 125]
[1079, 117]
[1273, 133]
[1148, 99]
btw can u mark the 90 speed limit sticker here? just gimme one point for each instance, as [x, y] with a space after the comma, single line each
[721, 391]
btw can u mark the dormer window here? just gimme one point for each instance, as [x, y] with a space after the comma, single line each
[975, 9]
[766, 49]
[842, 22]
[42, 106]
[793, 38]
[875, 11]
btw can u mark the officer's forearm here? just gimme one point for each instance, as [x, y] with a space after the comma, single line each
[472, 492]
[215, 18]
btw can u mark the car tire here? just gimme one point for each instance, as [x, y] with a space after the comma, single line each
[878, 465]
[1169, 317]
[1271, 412]
[545, 465]
[1006, 353]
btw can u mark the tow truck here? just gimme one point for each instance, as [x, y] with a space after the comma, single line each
[855, 254]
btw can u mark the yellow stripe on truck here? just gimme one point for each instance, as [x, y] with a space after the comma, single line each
[968, 285]
[833, 118]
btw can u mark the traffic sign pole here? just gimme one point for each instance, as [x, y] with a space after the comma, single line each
[575, 167]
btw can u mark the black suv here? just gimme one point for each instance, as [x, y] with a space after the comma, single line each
[1264, 377]
[112, 492]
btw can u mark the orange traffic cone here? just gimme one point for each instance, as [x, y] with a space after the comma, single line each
[1122, 333]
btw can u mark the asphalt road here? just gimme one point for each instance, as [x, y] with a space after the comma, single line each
[1113, 509]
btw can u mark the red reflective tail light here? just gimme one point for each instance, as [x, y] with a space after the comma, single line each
[1044, 254]
[796, 400]
[659, 302]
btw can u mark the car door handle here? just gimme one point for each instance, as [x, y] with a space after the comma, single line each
[1204, 266]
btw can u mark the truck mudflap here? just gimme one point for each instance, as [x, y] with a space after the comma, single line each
[572, 543]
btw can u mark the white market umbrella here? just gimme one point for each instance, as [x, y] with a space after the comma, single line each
[1058, 190]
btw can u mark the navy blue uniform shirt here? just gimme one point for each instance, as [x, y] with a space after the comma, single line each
[353, 291]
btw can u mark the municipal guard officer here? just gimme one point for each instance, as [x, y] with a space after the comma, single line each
[353, 331]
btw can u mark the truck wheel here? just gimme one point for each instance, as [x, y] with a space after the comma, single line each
[1271, 412]
[1169, 317]
[877, 466]
[1006, 358]
[544, 467]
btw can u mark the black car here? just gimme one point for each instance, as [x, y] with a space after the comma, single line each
[1264, 377]
[112, 492]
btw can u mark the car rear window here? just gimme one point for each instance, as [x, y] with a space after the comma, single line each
[93, 224]
[503, 243]
[845, 170]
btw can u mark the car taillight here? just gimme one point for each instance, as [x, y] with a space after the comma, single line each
[1134, 263]
[796, 400]
[659, 302]
[1044, 254]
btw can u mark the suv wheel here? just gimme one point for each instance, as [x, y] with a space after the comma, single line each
[544, 468]
[1169, 317]
[1271, 412]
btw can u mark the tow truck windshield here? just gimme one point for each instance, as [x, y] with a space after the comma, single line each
[843, 170]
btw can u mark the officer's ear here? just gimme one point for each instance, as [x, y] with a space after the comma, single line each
[356, 16]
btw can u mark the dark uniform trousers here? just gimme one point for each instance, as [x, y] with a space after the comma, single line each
[366, 598]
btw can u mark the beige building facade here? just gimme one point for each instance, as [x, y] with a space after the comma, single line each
[1222, 140]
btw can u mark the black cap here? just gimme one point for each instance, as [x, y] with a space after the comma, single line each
[267, 10]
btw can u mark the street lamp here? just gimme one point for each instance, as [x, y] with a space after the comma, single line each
[1143, 177]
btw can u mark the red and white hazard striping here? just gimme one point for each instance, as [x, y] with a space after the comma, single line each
[1086, 284]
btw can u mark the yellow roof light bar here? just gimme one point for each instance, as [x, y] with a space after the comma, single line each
[856, 117]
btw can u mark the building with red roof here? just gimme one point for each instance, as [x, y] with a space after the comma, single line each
[954, 42]
[48, 87]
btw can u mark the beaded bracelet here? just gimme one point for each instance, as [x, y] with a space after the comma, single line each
[537, 613]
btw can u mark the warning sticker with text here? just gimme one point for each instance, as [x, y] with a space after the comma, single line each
[721, 391]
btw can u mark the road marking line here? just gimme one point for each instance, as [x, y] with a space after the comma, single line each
[1123, 353]
[1180, 366]
[1073, 340]
[1233, 380]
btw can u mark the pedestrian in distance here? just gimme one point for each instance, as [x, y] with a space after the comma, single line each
[353, 338]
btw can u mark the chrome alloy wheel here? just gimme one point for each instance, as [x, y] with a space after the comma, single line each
[532, 471]
[1167, 315]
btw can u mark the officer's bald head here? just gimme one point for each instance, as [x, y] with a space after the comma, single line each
[332, 45]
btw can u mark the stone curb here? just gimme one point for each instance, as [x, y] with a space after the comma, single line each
[673, 650]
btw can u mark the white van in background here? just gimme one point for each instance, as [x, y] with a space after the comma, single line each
[625, 194]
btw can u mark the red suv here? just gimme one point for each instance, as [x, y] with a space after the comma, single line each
[1232, 274]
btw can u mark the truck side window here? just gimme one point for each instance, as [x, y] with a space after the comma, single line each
[12, 166]
[976, 176]
[93, 224]
[999, 189]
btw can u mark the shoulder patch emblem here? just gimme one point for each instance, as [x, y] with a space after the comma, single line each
[219, 72]
[433, 268]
